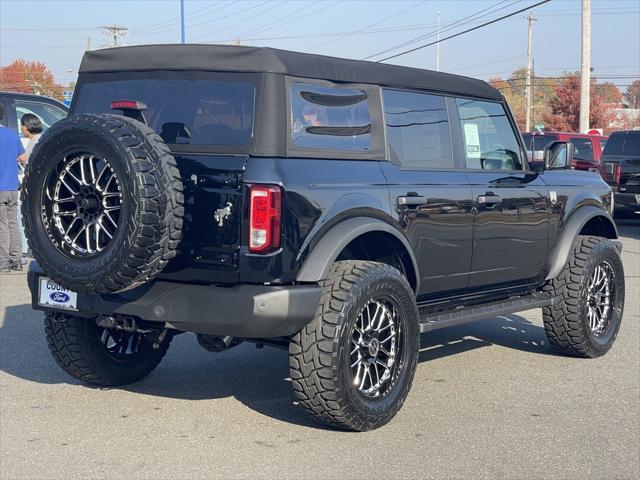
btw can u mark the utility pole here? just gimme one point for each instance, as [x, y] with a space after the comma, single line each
[182, 20]
[88, 47]
[530, 19]
[585, 77]
[114, 31]
[438, 44]
[533, 94]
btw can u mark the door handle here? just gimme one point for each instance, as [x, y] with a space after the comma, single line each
[412, 200]
[489, 198]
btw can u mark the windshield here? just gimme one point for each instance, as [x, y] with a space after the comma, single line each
[191, 112]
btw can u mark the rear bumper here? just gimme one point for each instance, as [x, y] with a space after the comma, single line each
[248, 311]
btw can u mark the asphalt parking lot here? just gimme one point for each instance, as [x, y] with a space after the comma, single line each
[490, 400]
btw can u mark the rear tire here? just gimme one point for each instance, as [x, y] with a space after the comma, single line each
[367, 321]
[77, 345]
[586, 317]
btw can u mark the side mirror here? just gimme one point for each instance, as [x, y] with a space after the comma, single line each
[558, 156]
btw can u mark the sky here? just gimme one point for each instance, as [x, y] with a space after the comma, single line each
[56, 32]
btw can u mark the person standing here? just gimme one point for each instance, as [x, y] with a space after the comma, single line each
[11, 152]
[31, 127]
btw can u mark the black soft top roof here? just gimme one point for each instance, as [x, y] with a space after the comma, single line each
[231, 58]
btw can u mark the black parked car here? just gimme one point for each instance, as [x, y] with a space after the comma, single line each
[620, 168]
[331, 207]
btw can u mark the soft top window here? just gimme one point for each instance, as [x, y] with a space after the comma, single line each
[190, 112]
[330, 118]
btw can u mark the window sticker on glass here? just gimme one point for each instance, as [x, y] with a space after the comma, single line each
[472, 140]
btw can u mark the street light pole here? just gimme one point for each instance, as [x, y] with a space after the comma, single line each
[585, 77]
[182, 20]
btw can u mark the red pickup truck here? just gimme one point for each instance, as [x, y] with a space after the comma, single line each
[588, 148]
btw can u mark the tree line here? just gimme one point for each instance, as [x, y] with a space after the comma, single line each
[556, 102]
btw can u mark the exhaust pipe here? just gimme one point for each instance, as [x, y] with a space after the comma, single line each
[216, 343]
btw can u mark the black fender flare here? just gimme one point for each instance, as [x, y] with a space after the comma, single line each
[317, 264]
[571, 230]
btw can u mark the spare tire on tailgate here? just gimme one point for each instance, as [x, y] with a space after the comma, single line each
[102, 203]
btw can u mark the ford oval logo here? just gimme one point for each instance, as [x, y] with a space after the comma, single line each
[59, 297]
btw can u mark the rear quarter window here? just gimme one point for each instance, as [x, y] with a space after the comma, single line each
[190, 112]
[330, 118]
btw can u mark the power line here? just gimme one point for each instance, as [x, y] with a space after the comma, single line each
[175, 20]
[279, 21]
[269, 8]
[465, 31]
[485, 63]
[552, 85]
[458, 23]
[369, 26]
[205, 22]
[331, 34]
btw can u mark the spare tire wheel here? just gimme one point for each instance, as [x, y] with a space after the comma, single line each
[102, 203]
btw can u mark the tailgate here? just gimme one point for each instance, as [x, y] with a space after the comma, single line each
[622, 172]
[213, 202]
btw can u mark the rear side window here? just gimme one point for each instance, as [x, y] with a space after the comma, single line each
[489, 140]
[583, 149]
[191, 112]
[417, 129]
[330, 118]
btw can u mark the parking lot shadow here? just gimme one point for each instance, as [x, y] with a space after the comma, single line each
[629, 227]
[258, 378]
[510, 331]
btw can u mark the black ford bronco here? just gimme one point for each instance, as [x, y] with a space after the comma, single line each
[335, 208]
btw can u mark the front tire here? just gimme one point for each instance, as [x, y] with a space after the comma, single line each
[99, 356]
[589, 292]
[352, 366]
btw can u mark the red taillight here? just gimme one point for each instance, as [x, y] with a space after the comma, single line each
[618, 174]
[127, 104]
[264, 218]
